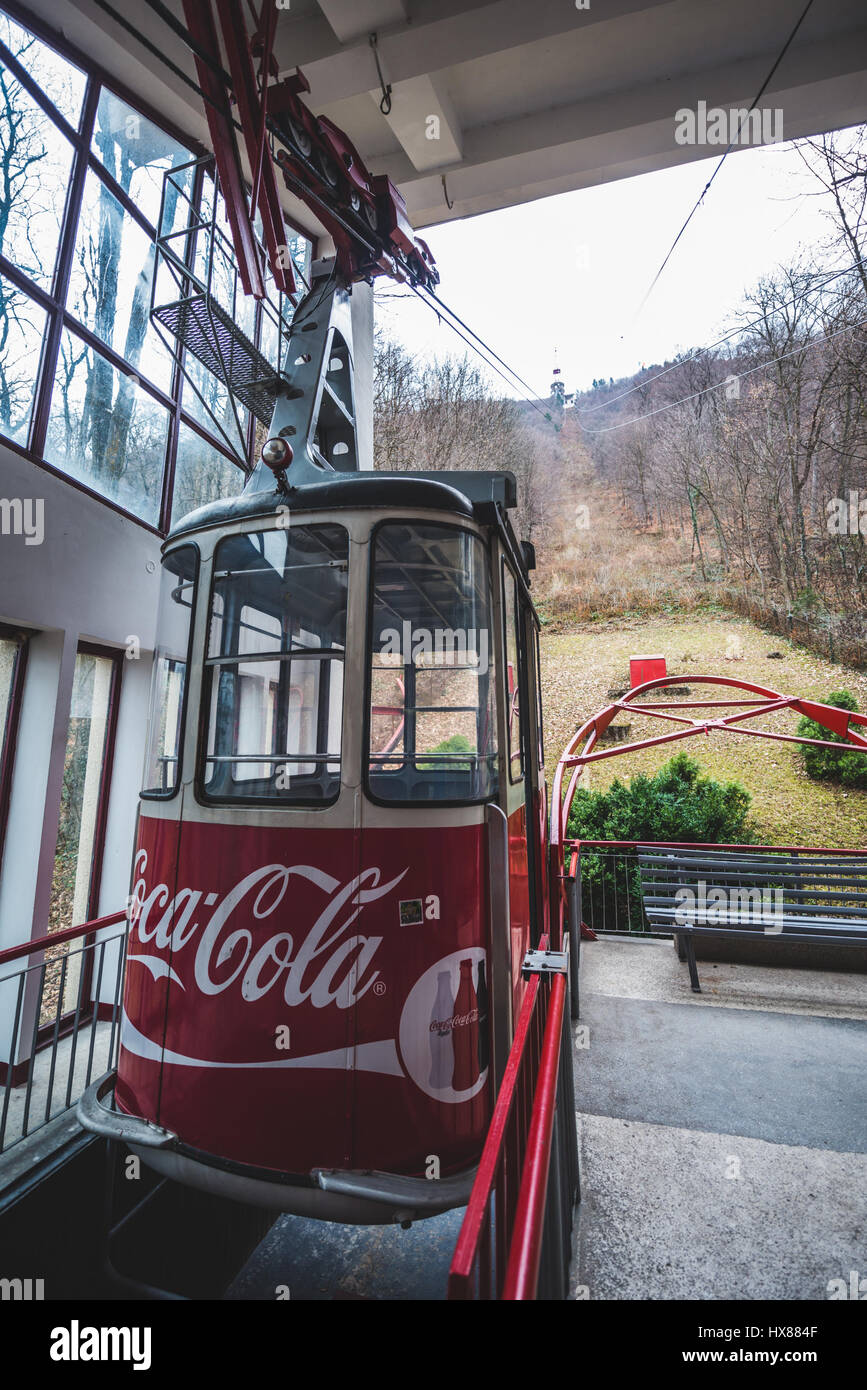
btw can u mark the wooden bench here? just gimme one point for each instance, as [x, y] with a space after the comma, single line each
[816, 896]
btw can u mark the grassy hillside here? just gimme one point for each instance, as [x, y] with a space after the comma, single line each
[581, 664]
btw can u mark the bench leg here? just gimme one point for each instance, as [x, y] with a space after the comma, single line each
[693, 968]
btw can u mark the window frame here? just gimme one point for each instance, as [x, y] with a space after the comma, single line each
[518, 746]
[486, 542]
[144, 794]
[286, 801]
[9, 734]
[54, 302]
[116, 657]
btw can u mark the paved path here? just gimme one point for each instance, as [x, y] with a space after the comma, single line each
[723, 1136]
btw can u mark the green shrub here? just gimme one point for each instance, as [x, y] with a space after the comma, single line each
[457, 743]
[677, 803]
[823, 764]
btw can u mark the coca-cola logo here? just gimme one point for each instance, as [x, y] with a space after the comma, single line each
[440, 1029]
[322, 965]
[456, 1021]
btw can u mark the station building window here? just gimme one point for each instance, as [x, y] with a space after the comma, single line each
[78, 856]
[13, 658]
[87, 385]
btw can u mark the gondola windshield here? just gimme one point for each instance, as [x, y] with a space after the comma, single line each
[432, 718]
[273, 677]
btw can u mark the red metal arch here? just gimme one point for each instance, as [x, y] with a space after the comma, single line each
[837, 721]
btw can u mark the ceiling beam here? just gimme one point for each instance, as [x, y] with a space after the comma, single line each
[423, 119]
[822, 87]
[352, 18]
[440, 41]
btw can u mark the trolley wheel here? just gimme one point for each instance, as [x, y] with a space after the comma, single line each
[328, 169]
[300, 138]
[370, 215]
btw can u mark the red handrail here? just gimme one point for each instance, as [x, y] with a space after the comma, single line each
[492, 1163]
[702, 844]
[522, 1271]
[505, 1148]
[29, 948]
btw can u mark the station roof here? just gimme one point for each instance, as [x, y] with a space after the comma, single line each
[530, 99]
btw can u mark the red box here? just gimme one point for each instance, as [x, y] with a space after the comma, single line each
[645, 668]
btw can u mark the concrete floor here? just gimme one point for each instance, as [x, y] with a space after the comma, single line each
[723, 1135]
[48, 1094]
[723, 1140]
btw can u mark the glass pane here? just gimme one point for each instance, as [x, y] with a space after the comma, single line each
[208, 401]
[137, 153]
[22, 328]
[278, 706]
[36, 161]
[432, 713]
[225, 285]
[105, 430]
[513, 710]
[10, 651]
[59, 80]
[110, 285]
[77, 848]
[202, 474]
[274, 674]
[177, 591]
[538, 677]
[82, 779]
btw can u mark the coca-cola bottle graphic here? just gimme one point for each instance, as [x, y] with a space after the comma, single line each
[466, 1031]
[482, 997]
[441, 1044]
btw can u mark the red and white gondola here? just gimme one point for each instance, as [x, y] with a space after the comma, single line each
[341, 848]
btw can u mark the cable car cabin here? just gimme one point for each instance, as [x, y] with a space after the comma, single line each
[341, 850]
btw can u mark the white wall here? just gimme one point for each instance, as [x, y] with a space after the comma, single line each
[95, 577]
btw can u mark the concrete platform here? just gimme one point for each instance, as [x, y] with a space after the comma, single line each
[723, 1135]
[723, 1140]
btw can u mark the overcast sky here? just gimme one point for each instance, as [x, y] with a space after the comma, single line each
[569, 273]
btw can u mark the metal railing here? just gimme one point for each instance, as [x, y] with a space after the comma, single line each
[609, 885]
[60, 999]
[515, 1240]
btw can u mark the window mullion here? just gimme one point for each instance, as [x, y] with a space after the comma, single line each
[63, 271]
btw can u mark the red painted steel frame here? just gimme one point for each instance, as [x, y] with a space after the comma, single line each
[829, 716]
[522, 1271]
[30, 948]
[200, 22]
[494, 1165]
[252, 97]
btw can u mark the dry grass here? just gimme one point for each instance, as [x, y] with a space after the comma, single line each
[612, 568]
[580, 664]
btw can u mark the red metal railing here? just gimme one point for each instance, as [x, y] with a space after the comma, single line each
[522, 1270]
[608, 898]
[511, 1223]
[53, 1052]
[583, 747]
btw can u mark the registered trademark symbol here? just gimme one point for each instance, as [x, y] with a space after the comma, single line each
[379, 987]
